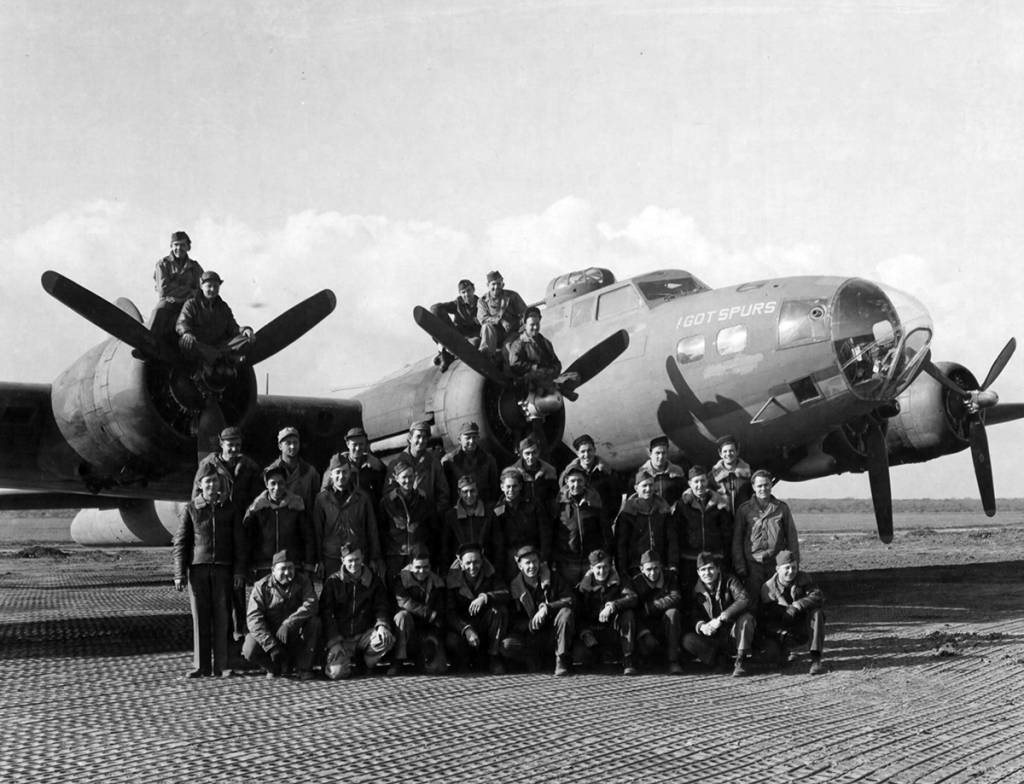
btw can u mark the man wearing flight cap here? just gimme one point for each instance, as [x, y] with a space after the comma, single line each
[344, 513]
[531, 355]
[723, 625]
[659, 613]
[540, 479]
[581, 526]
[791, 612]
[469, 458]
[428, 474]
[283, 624]
[518, 521]
[301, 477]
[278, 520]
[499, 311]
[209, 557]
[644, 522]
[420, 620]
[241, 482]
[477, 605]
[600, 476]
[604, 614]
[355, 616]
[669, 478]
[407, 519]
[704, 524]
[369, 472]
[207, 328]
[461, 313]
[177, 279]
[541, 618]
[763, 528]
[470, 520]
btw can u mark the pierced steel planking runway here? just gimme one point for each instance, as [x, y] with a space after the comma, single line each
[92, 650]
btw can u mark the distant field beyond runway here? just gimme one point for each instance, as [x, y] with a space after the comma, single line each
[811, 516]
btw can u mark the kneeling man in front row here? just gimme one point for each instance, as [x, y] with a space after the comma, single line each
[477, 611]
[282, 619]
[419, 622]
[659, 626]
[791, 612]
[354, 614]
[542, 618]
[723, 626]
[604, 614]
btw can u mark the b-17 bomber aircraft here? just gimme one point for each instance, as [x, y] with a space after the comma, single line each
[814, 375]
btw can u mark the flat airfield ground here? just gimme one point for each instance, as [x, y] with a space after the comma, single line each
[925, 646]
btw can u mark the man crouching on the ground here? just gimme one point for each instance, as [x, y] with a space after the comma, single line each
[419, 622]
[722, 623]
[354, 614]
[477, 610]
[791, 612]
[541, 616]
[283, 624]
[604, 613]
[659, 617]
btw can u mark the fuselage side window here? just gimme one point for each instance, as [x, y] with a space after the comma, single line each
[617, 302]
[731, 340]
[690, 349]
[802, 321]
[582, 313]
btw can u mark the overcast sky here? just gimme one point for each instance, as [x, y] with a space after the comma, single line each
[387, 153]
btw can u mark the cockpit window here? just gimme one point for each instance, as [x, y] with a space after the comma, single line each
[664, 289]
[614, 303]
[803, 321]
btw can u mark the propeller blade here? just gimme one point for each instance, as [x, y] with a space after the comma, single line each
[1004, 412]
[983, 467]
[291, 325]
[878, 476]
[942, 378]
[105, 315]
[1000, 363]
[596, 359]
[453, 340]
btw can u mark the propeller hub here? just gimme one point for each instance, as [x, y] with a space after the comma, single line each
[985, 398]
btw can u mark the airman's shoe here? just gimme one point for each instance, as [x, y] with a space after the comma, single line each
[739, 669]
[817, 668]
[562, 665]
[675, 668]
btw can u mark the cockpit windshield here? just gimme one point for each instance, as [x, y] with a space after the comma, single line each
[667, 285]
[880, 340]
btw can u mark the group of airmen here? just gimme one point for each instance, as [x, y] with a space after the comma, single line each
[430, 563]
[435, 562]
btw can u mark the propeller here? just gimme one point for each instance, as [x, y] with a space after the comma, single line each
[291, 325]
[511, 407]
[594, 360]
[453, 340]
[105, 315]
[977, 402]
[878, 476]
[123, 324]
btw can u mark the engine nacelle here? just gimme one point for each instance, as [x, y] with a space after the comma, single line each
[931, 421]
[134, 523]
[124, 417]
[454, 398]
